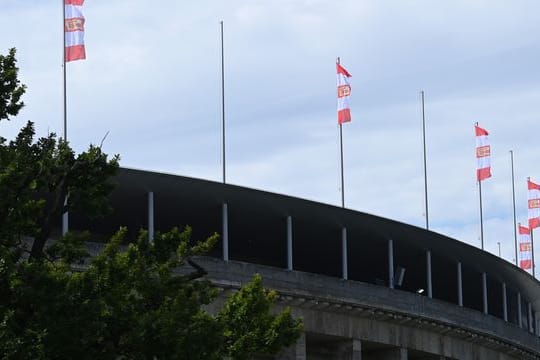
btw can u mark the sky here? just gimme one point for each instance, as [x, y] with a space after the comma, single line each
[152, 82]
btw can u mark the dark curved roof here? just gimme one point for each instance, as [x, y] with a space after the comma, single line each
[257, 234]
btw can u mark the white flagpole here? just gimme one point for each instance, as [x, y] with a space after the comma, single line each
[425, 160]
[481, 215]
[65, 215]
[342, 176]
[532, 245]
[64, 65]
[514, 206]
[222, 102]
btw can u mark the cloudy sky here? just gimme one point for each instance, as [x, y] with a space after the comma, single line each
[152, 80]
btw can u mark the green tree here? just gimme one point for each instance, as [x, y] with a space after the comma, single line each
[137, 301]
[37, 176]
[11, 90]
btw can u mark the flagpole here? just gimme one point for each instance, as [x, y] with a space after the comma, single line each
[514, 206]
[342, 177]
[223, 101]
[481, 216]
[341, 153]
[65, 215]
[64, 66]
[425, 160]
[532, 254]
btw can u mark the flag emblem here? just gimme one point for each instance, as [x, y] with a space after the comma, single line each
[534, 203]
[483, 151]
[344, 90]
[74, 25]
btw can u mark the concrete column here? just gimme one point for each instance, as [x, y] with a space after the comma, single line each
[65, 219]
[484, 292]
[390, 263]
[350, 350]
[519, 310]
[459, 285]
[225, 224]
[529, 317]
[505, 305]
[296, 351]
[150, 216]
[536, 325]
[428, 272]
[344, 255]
[289, 244]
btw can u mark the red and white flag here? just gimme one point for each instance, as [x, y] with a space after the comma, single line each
[525, 248]
[74, 30]
[483, 154]
[343, 94]
[533, 204]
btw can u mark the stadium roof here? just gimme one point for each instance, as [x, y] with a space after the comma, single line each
[257, 234]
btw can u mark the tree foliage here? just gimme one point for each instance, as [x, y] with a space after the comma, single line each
[137, 301]
[36, 178]
[11, 90]
[132, 303]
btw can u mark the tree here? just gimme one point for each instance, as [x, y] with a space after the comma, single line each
[11, 89]
[130, 303]
[136, 301]
[37, 177]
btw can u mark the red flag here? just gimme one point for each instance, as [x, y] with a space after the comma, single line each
[483, 154]
[74, 30]
[343, 94]
[533, 204]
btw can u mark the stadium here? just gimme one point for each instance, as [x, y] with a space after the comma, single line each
[366, 287]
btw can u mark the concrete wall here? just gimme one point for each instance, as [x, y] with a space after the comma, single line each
[352, 320]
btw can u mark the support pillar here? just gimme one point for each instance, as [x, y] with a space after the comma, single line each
[536, 325]
[505, 305]
[296, 351]
[391, 263]
[225, 224]
[65, 219]
[350, 350]
[289, 244]
[484, 293]
[428, 271]
[344, 254]
[530, 318]
[459, 285]
[520, 319]
[150, 216]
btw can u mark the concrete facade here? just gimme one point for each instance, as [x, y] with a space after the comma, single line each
[352, 320]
